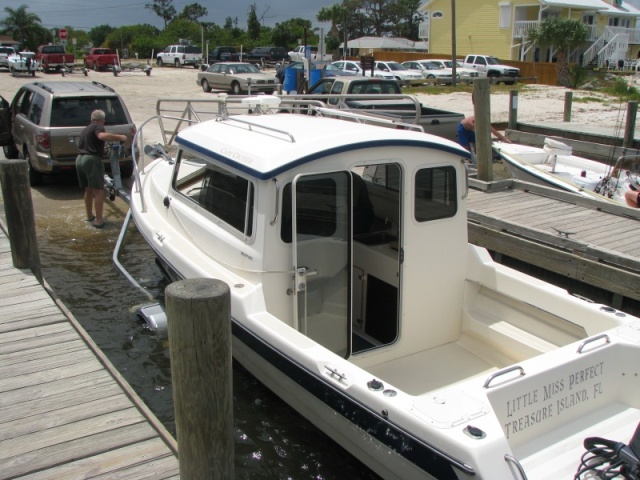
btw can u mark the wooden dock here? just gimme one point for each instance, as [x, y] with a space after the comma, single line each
[580, 238]
[65, 412]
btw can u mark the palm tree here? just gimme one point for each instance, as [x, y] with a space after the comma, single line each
[564, 34]
[19, 23]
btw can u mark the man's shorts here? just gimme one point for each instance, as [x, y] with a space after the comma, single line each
[90, 171]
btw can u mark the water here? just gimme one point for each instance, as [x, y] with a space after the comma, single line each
[271, 440]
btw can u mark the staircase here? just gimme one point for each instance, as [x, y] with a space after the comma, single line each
[610, 47]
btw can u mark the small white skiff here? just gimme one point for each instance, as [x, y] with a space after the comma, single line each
[554, 165]
[358, 300]
[23, 62]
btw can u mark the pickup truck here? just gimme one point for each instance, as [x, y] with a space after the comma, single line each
[100, 58]
[298, 53]
[489, 66]
[53, 57]
[5, 53]
[180, 55]
[392, 104]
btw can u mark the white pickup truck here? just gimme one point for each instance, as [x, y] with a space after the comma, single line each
[298, 54]
[489, 66]
[180, 55]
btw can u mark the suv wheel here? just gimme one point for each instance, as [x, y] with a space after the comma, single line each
[205, 86]
[11, 152]
[159, 61]
[177, 62]
[235, 88]
[35, 178]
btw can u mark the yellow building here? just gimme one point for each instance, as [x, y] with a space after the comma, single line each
[499, 28]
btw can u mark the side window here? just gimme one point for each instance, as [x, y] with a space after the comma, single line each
[25, 103]
[471, 59]
[336, 88]
[220, 192]
[435, 194]
[35, 110]
[481, 61]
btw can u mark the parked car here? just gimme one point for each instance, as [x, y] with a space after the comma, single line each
[356, 68]
[328, 69]
[402, 108]
[402, 74]
[431, 71]
[100, 58]
[224, 54]
[267, 55]
[45, 120]
[53, 57]
[462, 73]
[6, 52]
[180, 55]
[298, 53]
[234, 77]
[492, 67]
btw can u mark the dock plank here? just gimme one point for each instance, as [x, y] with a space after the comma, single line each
[65, 412]
[115, 464]
[600, 249]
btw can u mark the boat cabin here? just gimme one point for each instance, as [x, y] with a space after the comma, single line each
[343, 231]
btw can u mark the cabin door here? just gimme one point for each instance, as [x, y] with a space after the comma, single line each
[322, 258]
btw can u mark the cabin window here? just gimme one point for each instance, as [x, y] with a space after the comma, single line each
[435, 194]
[220, 192]
[317, 202]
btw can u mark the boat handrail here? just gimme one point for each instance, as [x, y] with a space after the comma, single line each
[367, 117]
[252, 125]
[602, 336]
[324, 97]
[275, 217]
[514, 461]
[495, 375]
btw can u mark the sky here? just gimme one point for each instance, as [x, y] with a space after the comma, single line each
[86, 14]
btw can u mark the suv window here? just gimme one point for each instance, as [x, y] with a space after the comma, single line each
[35, 109]
[72, 112]
[192, 49]
[7, 50]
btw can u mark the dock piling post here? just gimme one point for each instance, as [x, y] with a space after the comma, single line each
[482, 111]
[630, 125]
[199, 320]
[568, 101]
[18, 209]
[513, 110]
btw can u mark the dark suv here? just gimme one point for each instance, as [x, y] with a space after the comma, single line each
[223, 54]
[45, 120]
[268, 55]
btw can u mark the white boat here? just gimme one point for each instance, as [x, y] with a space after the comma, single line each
[554, 165]
[356, 298]
[23, 62]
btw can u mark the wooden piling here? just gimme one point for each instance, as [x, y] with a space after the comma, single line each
[513, 110]
[568, 102]
[18, 206]
[630, 125]
[199, 320]
[482, 110]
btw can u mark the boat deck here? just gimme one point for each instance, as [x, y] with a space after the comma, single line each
[65, 412]
[583, 239]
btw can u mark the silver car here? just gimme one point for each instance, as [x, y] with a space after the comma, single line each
[237, 78]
